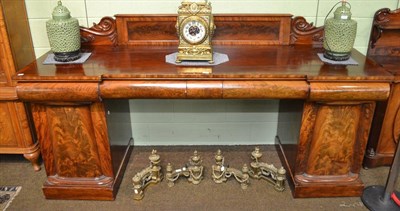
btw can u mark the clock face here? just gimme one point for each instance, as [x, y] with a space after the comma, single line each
[194, 31]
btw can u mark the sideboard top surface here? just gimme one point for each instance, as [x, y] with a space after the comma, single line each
[259, 47]
[245, 62]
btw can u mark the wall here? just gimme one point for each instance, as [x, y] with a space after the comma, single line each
[211, 122]
[201, 121]
[91, 11]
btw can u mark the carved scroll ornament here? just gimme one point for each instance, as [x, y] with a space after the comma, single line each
[303, 32]
[103, 33]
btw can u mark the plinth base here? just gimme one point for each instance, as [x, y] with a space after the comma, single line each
[315, 190]
[91, 188]
[378, 160]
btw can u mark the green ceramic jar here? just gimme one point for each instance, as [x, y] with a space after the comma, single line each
[340, 34]
[64, 34]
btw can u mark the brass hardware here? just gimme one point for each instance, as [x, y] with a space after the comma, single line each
[193, 170]
[269, 172]
[220, 172]
[150, 175]
[194, 70]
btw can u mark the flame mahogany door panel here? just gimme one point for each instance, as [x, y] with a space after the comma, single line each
[330, 154]
[74, 141]
[71, 126]
[332, 135]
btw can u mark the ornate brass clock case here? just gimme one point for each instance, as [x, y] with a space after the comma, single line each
[195, 28]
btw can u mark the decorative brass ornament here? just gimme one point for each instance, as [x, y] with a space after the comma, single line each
[268, 172]
[220, 172]
[193, 170]
[195, 28]
[150, 175]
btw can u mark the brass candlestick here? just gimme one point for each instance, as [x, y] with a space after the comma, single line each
[220, 172]
[269, 172]
[193, 170]
[150, 175]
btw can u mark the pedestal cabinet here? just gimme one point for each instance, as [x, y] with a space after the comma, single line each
[16, 51]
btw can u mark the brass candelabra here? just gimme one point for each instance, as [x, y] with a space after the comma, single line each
[268, 172]
[193, 171]
[150, 175]
[220, 172]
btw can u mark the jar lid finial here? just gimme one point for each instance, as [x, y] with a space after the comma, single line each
[60, 12]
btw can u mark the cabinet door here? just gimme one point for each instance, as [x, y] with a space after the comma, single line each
[4, 52]
[14, 126]
[8, 136]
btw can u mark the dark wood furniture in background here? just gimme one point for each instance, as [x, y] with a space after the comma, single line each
[325, 110]
[384, 48]
[16, 51]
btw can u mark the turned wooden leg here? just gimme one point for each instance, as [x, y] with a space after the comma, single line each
[33, 157]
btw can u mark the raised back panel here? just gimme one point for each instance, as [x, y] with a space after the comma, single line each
[231, 29]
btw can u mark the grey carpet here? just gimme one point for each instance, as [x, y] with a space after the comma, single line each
[14, 170]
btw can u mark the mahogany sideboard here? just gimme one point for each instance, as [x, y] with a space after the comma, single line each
[384, 48]
[325, 110]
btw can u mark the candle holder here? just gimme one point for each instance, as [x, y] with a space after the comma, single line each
[150, 175]
[377, 197]
[268, 172]
[221, 173]
[193, 171]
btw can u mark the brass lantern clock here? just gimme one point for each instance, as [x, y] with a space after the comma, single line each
[195, 28]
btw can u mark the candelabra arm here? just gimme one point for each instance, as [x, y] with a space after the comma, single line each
[268, 172]
[193, 171]
[220, 172]
[149, 175]
[241, 176]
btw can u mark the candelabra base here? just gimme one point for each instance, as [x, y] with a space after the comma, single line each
[372, 199]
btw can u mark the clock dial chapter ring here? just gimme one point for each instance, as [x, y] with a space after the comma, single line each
[194, 30]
